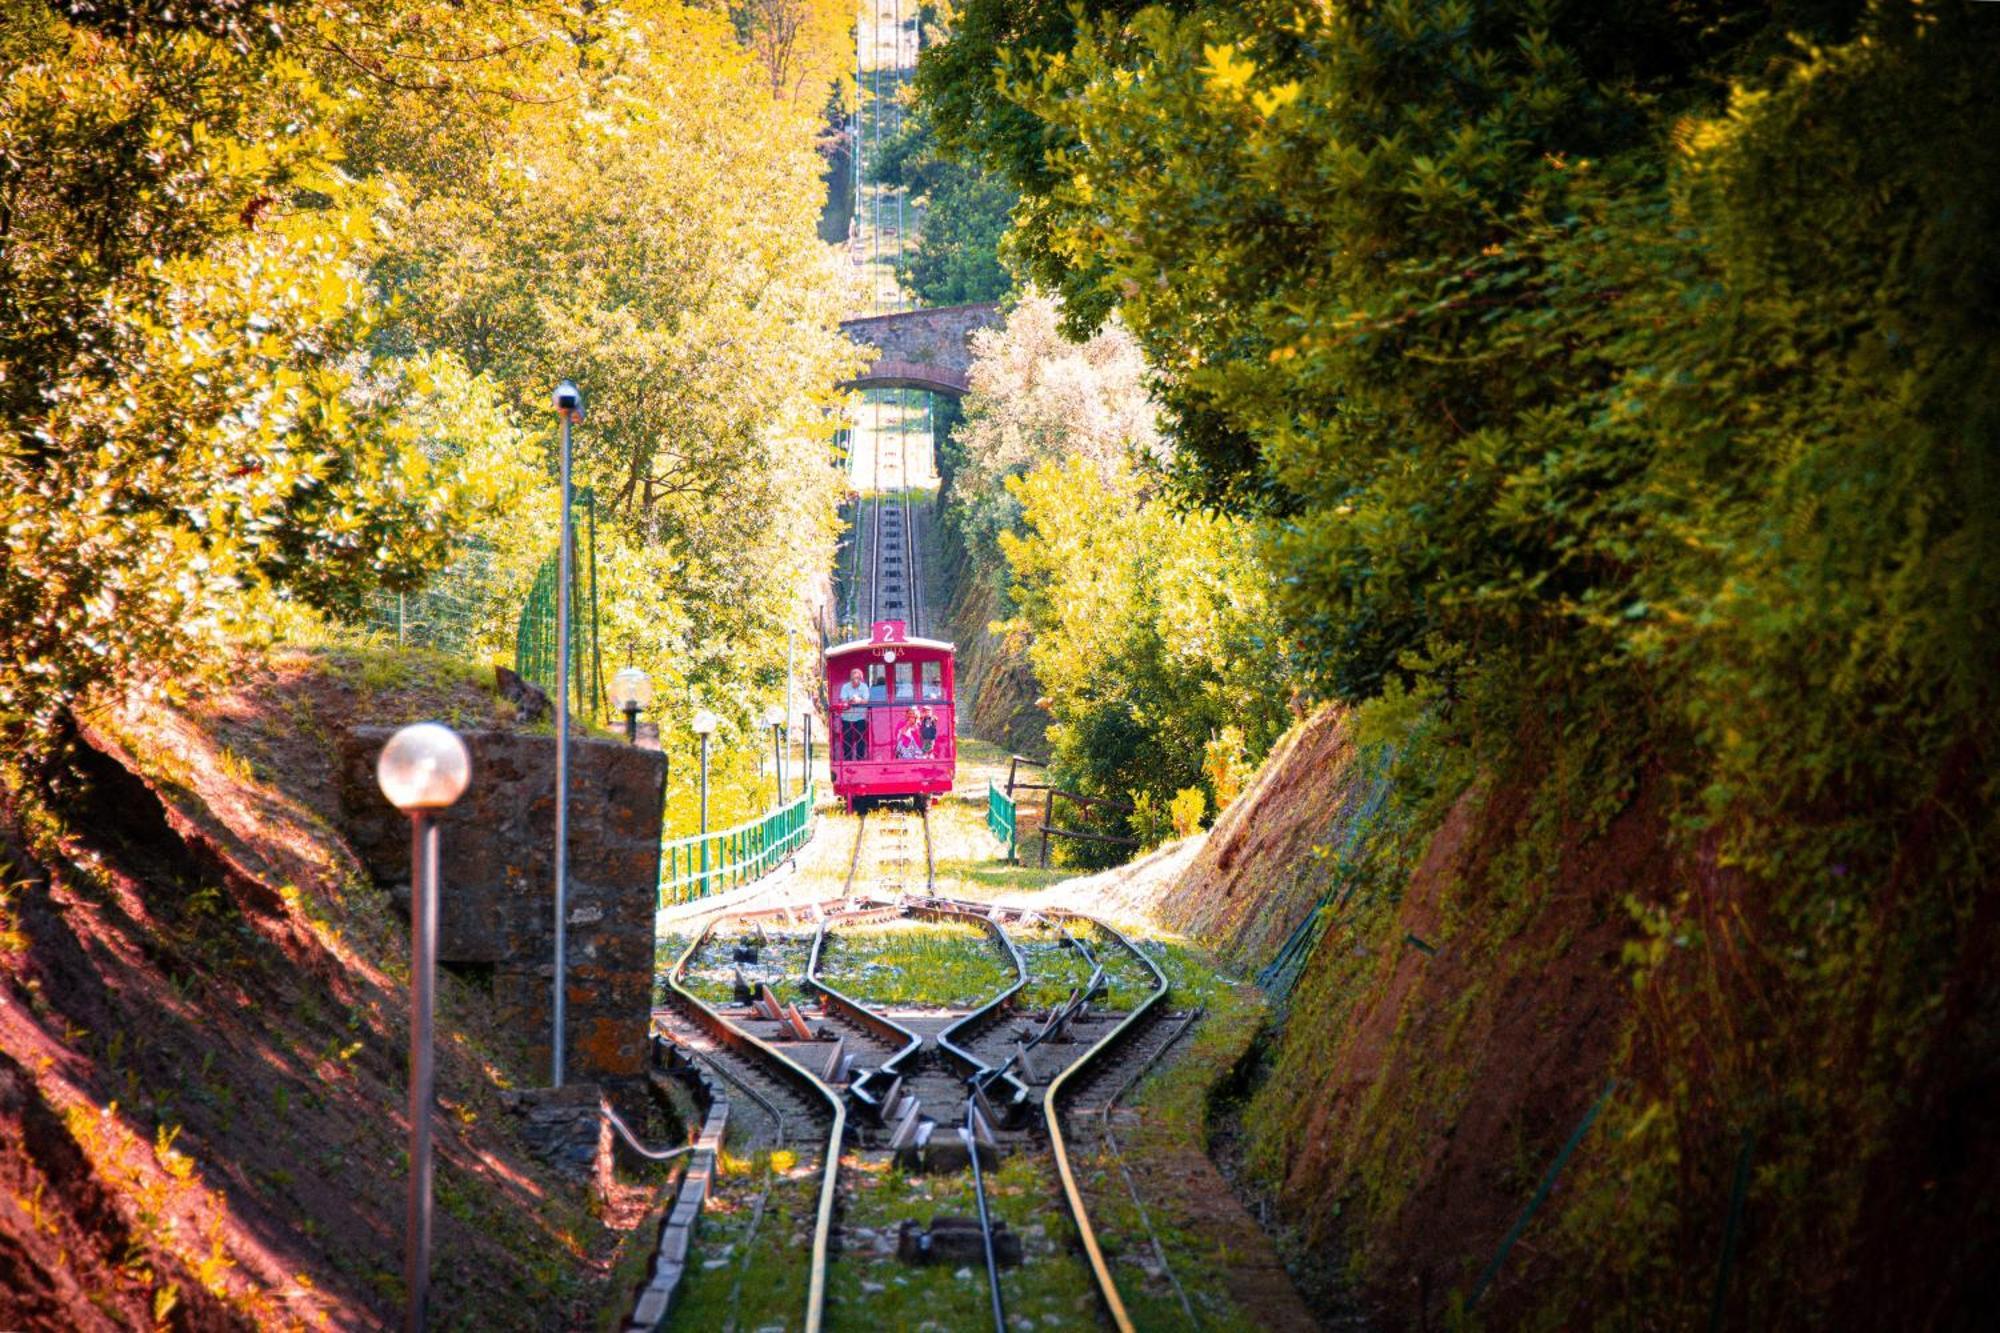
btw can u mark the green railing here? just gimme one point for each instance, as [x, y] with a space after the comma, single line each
[697, 866]
[1000, 816]
[535, 638]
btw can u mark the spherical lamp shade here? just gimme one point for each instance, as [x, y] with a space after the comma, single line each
[630, 689]
[774, 716]
[424, 767]
[704, 722]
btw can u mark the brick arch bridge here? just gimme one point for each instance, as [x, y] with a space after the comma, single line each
[920, 349]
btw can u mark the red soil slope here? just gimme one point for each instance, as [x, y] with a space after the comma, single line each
[202, 1039]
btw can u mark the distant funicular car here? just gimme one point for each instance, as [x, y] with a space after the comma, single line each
[900, 741]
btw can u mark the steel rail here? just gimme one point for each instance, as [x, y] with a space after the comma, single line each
[1131, 1185]
[909, 514]
[981, 1074]
[881, 1025]
[977, 1070]
[971, 1142]
[1107, 1286]
[730, 1035]
[875, 528]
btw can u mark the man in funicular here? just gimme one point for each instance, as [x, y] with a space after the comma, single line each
[854, 716]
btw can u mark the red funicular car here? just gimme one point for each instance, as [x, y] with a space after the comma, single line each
[893, 724]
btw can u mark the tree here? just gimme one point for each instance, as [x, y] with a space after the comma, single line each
[956, 259]
[192, 425]
[805, 46]
[1148, 630]
[1602, 375]
[1035, 396]
[640, 219]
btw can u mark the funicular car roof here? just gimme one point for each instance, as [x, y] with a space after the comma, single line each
[859, 645]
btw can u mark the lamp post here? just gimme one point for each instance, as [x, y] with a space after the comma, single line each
[631, 690]
[805, 773]
[774, 718]
[569, 406]
[704, 727]
[422, 770]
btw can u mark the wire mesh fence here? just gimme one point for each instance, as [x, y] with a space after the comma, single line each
[453, 613]
[535, 646]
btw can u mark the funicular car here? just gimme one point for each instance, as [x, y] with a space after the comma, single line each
[893, 732]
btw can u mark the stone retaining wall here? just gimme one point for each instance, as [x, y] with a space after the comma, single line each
[496, 898]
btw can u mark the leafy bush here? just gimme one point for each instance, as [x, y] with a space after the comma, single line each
[1190, 804]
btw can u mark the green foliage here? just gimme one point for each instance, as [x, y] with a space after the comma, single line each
[956, 259]
[190, 426]
[1225, 765]
[942, 964]
[281, 305]
[1148, 822]
[640, 219]
[1036, 396]
[1605, 373]
[1148, 629]
[1189, 805]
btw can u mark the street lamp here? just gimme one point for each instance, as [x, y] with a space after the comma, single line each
[422, 770]
[631, 690]
[704, 727]
[569, 406]
[774, 718]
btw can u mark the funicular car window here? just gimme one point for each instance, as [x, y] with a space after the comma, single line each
[906, 687]
[933, 680]
[878, 689]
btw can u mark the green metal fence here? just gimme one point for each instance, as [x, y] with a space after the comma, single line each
[535, 640]
[697, 866]
[1000, 816]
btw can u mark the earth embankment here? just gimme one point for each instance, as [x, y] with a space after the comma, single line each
[203, 1035]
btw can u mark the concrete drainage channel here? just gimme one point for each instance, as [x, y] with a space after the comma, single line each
[670, 1255]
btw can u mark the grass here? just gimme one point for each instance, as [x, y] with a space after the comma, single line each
[1178, 1105]
[912, 963]
[980, 879]
[781, 963]
[1055, 969]
[869, 1288]
[746, 1267]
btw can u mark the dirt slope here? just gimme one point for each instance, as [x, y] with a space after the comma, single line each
[202, 1038]
[996, 685]
[1423, 1076]
[1487, 1021]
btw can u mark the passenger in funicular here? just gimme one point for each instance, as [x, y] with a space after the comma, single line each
[854, 716]
[917, 737]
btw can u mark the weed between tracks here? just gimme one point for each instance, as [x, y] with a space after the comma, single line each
[781, 963]
[869, 1288]
[747, 1269]
[932, 964]
[1055, 969]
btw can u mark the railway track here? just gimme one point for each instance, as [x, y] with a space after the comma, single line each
[894, 587]
[832, 1072]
